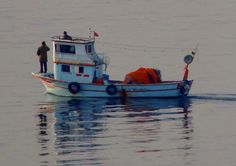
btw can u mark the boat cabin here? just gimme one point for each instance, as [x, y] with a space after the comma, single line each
[76, 60]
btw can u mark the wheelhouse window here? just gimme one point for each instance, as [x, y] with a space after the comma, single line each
[65, 68]
[88, 48]
[81, 69]
[62, 48]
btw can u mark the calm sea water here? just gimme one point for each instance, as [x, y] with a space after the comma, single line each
[41, 129]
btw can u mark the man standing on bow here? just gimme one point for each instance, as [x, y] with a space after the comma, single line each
[42, 53]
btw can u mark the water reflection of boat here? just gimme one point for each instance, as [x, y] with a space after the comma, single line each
[78, 130]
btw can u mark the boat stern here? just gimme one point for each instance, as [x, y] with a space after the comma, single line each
[184, 87]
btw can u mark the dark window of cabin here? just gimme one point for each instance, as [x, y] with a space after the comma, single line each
[81, 69]
[65, 68]
[69, 49]
[88, 48]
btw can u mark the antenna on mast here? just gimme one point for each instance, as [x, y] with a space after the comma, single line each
[196, 51]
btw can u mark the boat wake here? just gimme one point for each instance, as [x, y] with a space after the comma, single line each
[214, 97]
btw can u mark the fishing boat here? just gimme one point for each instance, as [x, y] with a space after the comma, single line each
[81, 72]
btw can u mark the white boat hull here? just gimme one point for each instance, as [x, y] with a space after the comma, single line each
[160, 90]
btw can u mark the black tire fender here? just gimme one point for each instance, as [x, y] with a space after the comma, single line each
[184, 88]
[74, 87]
[111, 89]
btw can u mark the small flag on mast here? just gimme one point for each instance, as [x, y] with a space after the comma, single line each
[95, 34]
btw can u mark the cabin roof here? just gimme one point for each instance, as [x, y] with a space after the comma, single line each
[76, 40]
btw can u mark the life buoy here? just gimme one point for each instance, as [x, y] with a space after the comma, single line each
[74, 87]
[111, 89]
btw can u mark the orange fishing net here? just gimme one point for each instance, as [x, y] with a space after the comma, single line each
[143, 76]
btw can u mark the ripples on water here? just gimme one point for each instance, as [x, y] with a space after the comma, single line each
[112, 131]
